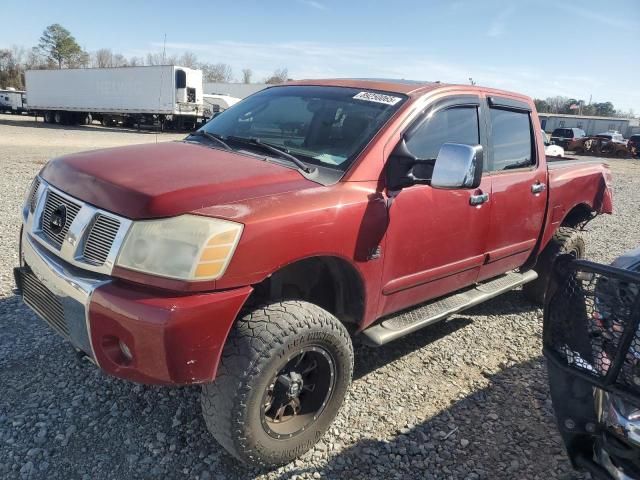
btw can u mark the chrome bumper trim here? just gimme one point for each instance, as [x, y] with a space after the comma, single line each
[73, 286]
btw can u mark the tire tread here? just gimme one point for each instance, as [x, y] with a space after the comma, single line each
[252, 340]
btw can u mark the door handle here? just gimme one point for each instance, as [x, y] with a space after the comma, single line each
[479, 199]
[538, 187]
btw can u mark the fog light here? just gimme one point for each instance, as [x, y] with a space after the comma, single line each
[124, 348]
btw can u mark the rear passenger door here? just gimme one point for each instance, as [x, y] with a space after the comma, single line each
[518, 184]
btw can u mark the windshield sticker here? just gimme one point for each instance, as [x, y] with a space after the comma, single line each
[377, 97]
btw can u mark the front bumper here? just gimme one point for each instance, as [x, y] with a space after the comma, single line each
[134, 333]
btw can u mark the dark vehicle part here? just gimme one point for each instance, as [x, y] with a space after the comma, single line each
[592, 345]
[284, 373]
[601, 146]
[566, 240]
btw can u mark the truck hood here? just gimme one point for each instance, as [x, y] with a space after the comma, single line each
[167, 179]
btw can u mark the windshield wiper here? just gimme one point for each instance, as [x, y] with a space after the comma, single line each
[270, 148]
[211, 136]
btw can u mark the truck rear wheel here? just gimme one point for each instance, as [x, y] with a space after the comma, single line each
[282, 378]
[566, 240]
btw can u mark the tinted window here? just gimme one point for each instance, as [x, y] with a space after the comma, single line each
[511, 140]
[327, 126]
[453, 125]
[563, 132]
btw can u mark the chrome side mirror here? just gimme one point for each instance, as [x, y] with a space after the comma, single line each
[458, 166]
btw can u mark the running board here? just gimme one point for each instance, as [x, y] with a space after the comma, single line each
[407, 321]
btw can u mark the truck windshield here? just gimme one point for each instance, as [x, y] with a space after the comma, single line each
[324, 126]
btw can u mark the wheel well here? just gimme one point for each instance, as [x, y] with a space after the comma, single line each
[329, 282]
[578, 216]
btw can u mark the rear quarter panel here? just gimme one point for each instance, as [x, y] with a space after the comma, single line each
[573, 183]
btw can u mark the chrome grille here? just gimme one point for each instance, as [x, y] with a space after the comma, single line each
[44, 303]
[90, 237]
[53, 201]
[33, 195]
[98, 245]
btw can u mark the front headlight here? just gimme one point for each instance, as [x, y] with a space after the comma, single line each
[187, 247]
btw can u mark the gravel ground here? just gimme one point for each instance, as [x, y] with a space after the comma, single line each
[466, 398]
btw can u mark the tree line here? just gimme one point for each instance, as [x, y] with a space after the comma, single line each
[573, 106]
[58, 48]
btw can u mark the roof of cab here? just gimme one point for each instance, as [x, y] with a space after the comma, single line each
[407, 87]
[412, 88]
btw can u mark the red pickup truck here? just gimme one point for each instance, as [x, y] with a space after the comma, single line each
[246, 257]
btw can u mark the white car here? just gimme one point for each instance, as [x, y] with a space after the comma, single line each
[551, 149]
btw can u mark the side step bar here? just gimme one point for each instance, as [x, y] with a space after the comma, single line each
[407, 321]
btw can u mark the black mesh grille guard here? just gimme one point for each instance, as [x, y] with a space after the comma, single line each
[591, 340]
[591, 321]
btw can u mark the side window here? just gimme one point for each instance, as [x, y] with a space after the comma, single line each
[511, 140]
[451, 125]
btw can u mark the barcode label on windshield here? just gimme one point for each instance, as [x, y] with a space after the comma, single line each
[377, 97]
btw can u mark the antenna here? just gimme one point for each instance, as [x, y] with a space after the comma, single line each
[164, 55]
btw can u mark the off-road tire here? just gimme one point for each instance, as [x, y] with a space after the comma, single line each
[256, 347]
[566, 240]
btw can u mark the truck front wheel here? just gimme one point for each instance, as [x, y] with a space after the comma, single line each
[566, 240]
[282, 378]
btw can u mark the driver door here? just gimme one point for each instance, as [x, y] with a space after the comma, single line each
[436, 239]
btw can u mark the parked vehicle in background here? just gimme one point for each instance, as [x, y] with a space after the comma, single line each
[565, 137]
[591, 339]
[613, 144]
[602, 145]
[13, 101]
[215, 103]
[164, 95]
[246, 257]
[551, 149]
[634, 145]
[614, 136]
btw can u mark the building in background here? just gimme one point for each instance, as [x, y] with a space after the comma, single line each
[591, 125]
[238, 90]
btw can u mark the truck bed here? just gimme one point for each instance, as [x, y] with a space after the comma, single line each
[555, 163]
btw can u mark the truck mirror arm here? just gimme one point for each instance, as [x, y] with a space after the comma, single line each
[404, 169]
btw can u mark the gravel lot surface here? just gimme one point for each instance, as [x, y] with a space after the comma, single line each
[465, 399]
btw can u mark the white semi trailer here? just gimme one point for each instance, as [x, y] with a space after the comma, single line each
[166, 95]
